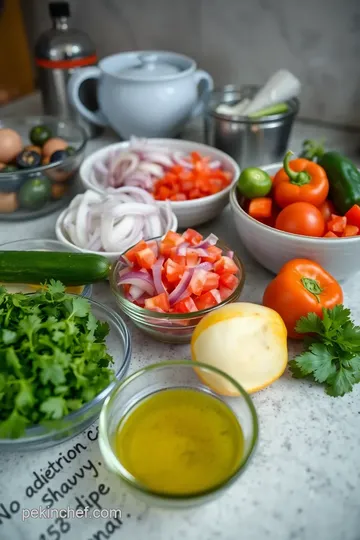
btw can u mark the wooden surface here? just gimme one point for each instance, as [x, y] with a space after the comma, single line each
[16, 78]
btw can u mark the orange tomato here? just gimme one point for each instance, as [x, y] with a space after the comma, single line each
[301, 218]
[301, 287]
[327, 208]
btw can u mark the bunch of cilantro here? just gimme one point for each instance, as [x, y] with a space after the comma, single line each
[53, 357]
[333, 355]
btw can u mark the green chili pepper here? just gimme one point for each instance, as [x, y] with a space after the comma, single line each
[344, 180]
[254, 183]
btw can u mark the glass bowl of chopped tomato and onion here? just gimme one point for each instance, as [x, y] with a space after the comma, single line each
[195, 178]
[167, 284]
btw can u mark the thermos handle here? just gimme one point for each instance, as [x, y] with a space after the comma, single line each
[208, 84]
[75, 81]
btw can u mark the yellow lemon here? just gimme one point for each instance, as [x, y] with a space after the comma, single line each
[246, 341]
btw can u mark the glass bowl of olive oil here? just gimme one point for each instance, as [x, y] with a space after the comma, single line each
[173, 440]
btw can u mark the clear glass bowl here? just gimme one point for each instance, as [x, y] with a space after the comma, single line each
[42, 244]
[61, 174]
[162, 376]
[119, 347]
[171, 327]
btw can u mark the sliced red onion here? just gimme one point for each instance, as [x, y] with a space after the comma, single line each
[214, 164]
[180, 159]
[200, 251]
[159, 158]
[182, 249]
[211, 240]
[139, 279]
[136, 292]
[126, 270]
[205, 266]
[216, 295]
[156, 272]
[230, 254]
[151, 168]
[181, 287]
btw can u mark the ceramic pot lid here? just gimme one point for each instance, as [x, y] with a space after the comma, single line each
[150, 66]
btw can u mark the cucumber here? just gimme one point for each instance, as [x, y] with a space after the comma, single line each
[41, 266]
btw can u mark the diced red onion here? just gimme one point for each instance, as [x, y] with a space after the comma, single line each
[215, 164]
[230, 254]
[205, 266]
[200, 251]
[136, 292]
[180, 159]
[139, 279]
[181, 287]
[211, 240]
[216, 295]
[182, 249]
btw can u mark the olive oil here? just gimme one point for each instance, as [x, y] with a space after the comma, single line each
[180, 441]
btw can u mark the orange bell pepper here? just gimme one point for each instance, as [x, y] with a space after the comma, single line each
[301, 287]
[305, 181]
[353, 215]
[337, 224]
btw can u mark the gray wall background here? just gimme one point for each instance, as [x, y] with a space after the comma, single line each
[237, 41]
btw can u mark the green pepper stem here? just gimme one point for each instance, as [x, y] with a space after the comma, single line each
[312, 286]
[298, 178]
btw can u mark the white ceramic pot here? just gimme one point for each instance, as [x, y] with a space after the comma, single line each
[146, 93]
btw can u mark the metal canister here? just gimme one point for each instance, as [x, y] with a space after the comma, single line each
[251, 142]
[58, 52]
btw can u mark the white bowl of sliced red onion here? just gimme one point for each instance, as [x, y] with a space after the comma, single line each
[146, 164]
[109, 224]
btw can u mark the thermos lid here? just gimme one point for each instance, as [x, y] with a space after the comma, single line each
[150, 66]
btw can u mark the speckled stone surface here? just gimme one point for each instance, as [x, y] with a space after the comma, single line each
[303, 482]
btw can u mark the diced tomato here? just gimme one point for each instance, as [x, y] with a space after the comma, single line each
[225, 265]
[192, 258]
[224, 292]
[130, 254]
[327, 208]
[153, 245]
[330, 234]
[351, 230]
[173, 271]
[198, 281]
[211, 282]
[187, 305]
[160, 301]
[208, 300]
[213, 254]
[229, 280]
[145, 258]
[353, 215]
[260, 207]
[192, 236]
[171, 239]
[337, 224]
[178, 197]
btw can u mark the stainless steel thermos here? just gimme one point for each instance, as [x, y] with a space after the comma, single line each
[58, 52]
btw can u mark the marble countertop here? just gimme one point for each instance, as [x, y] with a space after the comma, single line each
[304, 480]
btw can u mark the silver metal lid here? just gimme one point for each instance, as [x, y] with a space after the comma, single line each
[150, 66]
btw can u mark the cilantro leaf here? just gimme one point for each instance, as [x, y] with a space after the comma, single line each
[340, 384]
[54, 408]
[80, 307]
[8, 336]
[24, 398]
[13, 426]
[55, 287]
[102, 330]
[310, 324]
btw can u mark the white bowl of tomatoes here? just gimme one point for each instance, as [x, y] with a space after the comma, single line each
[272, 247]
[194, 177]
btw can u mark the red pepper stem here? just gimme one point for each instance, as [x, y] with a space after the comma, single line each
[298, 178]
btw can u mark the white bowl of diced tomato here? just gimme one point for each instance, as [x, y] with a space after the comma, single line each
[194, 177]
[166, 285]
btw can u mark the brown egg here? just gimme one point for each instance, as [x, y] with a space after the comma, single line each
[32, 148]
[10, 144]
[8, 203]
[52, 145]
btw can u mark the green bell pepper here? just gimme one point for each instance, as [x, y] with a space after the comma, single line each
[344, 180]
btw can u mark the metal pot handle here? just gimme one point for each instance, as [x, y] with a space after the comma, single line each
[73, 87]
[208, 85]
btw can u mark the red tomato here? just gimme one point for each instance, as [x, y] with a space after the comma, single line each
[213, 254]
[192, 258]
[351, 230]
[198, 281]
[173, 271]
[224, 292]
[225, 265]
[192, 236]
[353, 215]
[229, 280]
[171, 239]
[301, 218]
[208, 300]
[187, 305]
[158, 302]
[327, 208]
[130, 255]
[145, 258]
